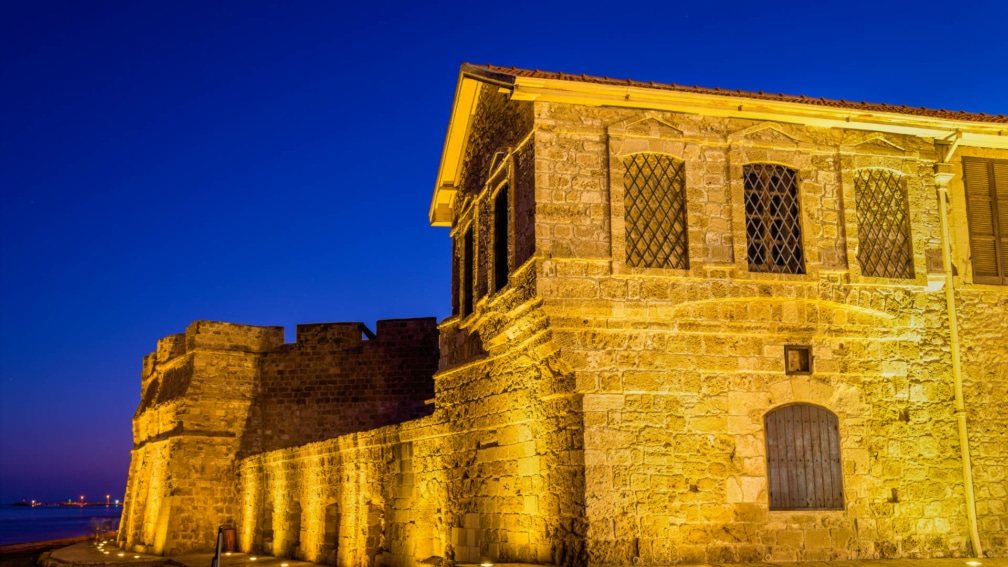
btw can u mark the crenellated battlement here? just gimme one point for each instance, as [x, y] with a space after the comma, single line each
[232, 336]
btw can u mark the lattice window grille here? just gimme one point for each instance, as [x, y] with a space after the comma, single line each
[885, 249]
[655, 211]
[773, 225]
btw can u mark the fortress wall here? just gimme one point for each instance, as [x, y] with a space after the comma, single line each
[332, 382]
[221, 391]
[494, 473]
[679, 367]
[348, 500]
[197, 389]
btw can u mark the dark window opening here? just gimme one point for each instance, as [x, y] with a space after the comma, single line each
[501, 238]
[803, 458]
[773, 225]
[797, 359]
[467, 272]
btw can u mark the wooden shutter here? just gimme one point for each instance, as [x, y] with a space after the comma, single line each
[986, 184]
[803, 458]
[999, 173]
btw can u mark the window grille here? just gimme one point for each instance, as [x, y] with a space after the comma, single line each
[883, 216]
[655, 211]
[803, 458]
[986, 182]
[773, 228]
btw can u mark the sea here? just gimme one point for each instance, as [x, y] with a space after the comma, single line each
[22, 524]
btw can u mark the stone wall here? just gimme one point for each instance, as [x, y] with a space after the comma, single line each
[348, 500]
[332, 381]
[983, 329]
[985, 387]
[678, 367]
[593, 411]
[499, 152]
[495, 472]
[196, 391]
[220, 391]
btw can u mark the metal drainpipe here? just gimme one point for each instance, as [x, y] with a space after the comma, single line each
[942, 178]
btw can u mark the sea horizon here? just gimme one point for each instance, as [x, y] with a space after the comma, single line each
[28, 524]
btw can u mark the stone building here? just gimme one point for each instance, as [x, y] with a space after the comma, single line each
[689, 325]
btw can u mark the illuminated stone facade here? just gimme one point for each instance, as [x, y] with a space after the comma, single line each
[601, 399]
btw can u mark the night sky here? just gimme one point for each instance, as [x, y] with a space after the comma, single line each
[272, 163]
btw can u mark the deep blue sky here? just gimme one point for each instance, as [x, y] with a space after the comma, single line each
[272, 163]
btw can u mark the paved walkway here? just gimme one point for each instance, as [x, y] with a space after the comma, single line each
[87, 554]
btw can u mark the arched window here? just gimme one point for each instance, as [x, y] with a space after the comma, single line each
[803, 458]
[773, 226]
[883, 216]
[655, 211]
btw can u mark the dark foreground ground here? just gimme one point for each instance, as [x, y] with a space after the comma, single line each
[77, 553]
[28, 554]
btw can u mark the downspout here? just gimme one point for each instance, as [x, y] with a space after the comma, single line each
[944, 174]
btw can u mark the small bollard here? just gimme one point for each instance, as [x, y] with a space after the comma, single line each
[215, 562]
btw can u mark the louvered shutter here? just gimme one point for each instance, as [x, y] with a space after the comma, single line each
[987, 216]
[999, 172]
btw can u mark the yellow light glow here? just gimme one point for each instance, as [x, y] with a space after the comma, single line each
[284, 564]
[252, 558]
[122, 555]
[228, 554]
[136, 557]
[486, 564]
[974, 563]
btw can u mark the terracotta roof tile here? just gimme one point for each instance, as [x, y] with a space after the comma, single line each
[802, 99]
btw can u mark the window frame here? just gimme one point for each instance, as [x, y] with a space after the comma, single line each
[794, 231]
[864, 238]
[501, 230]
[675, 194]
